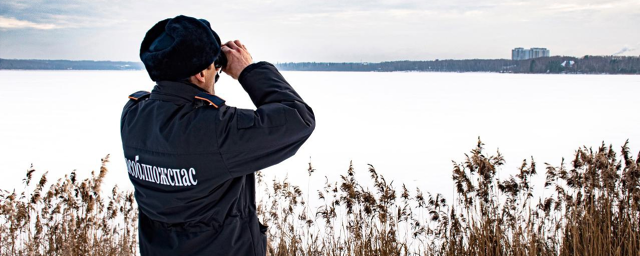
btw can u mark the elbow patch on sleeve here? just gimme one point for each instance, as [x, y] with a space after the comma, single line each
[303, 112]
[271, 115]
[245, 118]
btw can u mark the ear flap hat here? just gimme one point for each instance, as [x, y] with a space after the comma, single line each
[177, 48]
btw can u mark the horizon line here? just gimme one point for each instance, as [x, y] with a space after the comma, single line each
[562, 56]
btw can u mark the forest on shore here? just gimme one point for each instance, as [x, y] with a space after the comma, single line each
[588, 64]
[555, 65]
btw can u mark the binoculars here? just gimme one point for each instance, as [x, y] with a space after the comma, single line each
[221, 60]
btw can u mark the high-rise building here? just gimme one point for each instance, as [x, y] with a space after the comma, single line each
[539, 52]
[525, 54]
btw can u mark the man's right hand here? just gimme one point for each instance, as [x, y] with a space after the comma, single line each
[238, 58]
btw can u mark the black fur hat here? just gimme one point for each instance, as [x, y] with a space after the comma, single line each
[177, 48]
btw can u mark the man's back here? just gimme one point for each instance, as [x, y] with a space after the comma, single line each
[192, 160]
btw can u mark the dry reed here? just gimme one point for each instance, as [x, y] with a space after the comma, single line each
[71, 217]
[592, 208]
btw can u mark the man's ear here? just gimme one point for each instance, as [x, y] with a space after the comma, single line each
[200, 76]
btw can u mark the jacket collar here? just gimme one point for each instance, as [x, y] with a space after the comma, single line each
[179, 92]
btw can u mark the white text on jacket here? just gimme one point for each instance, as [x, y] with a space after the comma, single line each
[163, 176]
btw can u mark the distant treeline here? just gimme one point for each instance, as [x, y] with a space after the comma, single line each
[555, 64]
[69, 65]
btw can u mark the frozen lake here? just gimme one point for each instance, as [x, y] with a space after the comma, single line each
[410, 126]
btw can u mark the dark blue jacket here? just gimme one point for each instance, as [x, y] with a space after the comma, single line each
[192, 159]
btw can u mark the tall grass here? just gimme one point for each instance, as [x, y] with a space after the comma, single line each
[71, 217]
[592, 207]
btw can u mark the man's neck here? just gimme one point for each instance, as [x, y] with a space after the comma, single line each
[211, 90]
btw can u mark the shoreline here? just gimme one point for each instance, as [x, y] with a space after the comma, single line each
[596, 65]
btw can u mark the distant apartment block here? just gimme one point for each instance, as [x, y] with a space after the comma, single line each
[525, 54]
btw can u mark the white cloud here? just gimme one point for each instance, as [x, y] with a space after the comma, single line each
[627, 49]
[13, 23]
[577, 7]
[620, 7]
[79, 21]
[57, 21]
[329, 30]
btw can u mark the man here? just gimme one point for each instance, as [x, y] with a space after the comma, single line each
[190, 157]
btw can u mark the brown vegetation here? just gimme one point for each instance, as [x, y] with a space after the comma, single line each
[70, 218]
[592, 208]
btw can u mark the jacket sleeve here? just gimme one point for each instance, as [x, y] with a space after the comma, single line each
[251, 140]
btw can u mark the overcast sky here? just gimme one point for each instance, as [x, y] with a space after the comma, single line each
[327, 30]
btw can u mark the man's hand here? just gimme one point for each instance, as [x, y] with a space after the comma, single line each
[238, 58]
